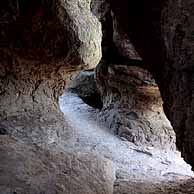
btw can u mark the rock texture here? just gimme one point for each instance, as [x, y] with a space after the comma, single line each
[102, 10]
[28, 170]
[135, 115]
[41, 43]
[178, 90]
[84, 85]
[182, 185]
[138, 169]
[52, 30]
[163, 39]
[132, 106]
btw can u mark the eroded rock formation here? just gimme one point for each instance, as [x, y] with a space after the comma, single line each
[162, 34]
[115, 77]
[42, 42]
[132, 106]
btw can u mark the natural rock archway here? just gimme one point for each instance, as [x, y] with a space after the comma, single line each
[42, 42]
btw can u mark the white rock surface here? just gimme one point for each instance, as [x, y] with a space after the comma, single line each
[130, 160]
[137, 168]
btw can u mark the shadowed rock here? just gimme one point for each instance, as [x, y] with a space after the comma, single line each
[162, 34]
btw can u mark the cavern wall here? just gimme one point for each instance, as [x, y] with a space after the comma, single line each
[132, 106]
[41, 43]
[162, 34]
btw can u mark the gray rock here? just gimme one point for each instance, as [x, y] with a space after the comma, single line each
[27, 169]
[132, 106]
[182, 185]
[43, 43]
[162, 34]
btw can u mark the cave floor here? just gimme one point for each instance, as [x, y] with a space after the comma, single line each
[139, 170]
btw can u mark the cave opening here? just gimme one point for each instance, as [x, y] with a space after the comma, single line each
[80, 111]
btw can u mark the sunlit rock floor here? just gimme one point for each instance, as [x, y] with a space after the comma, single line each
[139, 170]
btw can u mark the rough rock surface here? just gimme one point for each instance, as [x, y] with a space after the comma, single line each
[52, 30]
[146, 167]
[84, 85]
[41, 43]
[28, 170]
[101, 9]
[177, 90]
[162, 34]
[134, 115]
[182, 185]
[121, 40]
[132, 106]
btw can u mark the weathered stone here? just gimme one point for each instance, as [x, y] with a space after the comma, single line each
[177, 90]
[132, 106]
[122, 42]
[54, 31]
[182, 185]
[102, 10]
[28, 170]
[161, 32]
[26, 70]
[41, 44]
